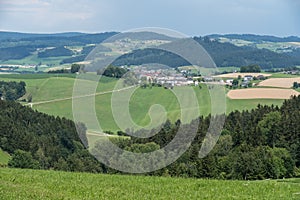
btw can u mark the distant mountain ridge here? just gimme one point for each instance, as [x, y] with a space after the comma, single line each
[225, 52]
[4, 35]
[82, 36]
[256, 38]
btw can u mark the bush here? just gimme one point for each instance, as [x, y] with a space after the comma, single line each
[23, 159]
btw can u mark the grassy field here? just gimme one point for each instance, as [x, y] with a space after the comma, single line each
[47, 87]
[281, 75]
[228, 69]
[4, 157]
[29, 184]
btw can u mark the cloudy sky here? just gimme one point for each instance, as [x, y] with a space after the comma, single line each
[191, 17]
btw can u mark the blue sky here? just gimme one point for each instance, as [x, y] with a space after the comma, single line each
[191, 17]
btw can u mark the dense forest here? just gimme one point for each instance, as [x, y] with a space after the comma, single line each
[39, 141]
[12, 90]
[151, 55]
[18, 52]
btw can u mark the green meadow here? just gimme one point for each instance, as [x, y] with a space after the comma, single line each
[4, 157]
[29, 184]
[52, 94]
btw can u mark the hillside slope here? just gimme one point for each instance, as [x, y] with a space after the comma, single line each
[36, 140]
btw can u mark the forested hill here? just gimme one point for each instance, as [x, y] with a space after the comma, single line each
[40, 141]
[266, 51]
[227, 54]
[223, 54]
[257, 144]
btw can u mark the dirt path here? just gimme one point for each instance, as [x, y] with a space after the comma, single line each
[78, 97]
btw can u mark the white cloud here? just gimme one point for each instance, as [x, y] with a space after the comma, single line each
[189, 16]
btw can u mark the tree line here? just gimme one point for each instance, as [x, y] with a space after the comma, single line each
[250, 68]
[74, 69]
[40, 141]
[258, 144]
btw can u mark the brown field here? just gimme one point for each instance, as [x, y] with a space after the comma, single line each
[235, 75]
[262, 93]
[280, 82]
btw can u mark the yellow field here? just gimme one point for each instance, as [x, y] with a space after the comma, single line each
[279, 82]
[262, 93]
[235, 75]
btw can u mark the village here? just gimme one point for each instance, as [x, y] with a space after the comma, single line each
[167, 78]
[170, 78]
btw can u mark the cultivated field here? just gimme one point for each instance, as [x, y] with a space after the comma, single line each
[236, 75]
[279, 82]
[30, 184]
[262, 93]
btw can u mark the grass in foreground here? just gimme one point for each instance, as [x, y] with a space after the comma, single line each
[4, 157]
[30, 184]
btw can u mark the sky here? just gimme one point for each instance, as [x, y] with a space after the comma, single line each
[190, 17]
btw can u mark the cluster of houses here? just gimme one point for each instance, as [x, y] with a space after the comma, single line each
[170, 78]
[167, 77]
[292, 72]
[12, 68]
[246, 80]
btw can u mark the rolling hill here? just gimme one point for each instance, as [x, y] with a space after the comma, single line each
[52, 94]
[226, 50]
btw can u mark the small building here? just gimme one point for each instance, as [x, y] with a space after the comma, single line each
[229, 82]
[208, 79]
[248, 78]
[261, 77]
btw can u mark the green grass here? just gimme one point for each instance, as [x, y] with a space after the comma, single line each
[34, 76]
[4, 157]
[248, 104]
[281, 75]
[45, 87]
[228, 69]
[29, 184]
